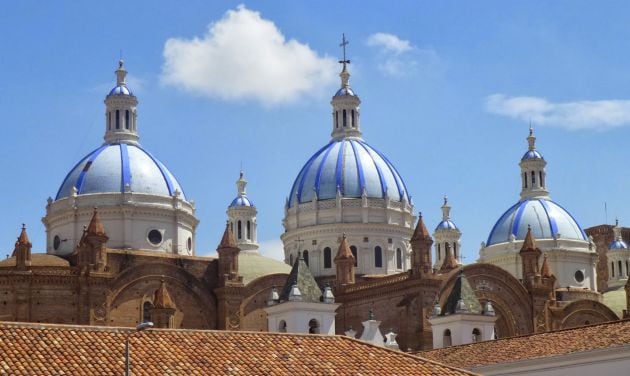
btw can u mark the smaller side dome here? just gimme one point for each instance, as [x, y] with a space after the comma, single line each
[532, 154]
[446, 225]
[121, 90]
[345, 91]
[617, 244]
[241, 201]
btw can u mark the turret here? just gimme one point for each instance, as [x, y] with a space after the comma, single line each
[163, 310]
[242, 218]
[228, 257]
[120, 111]
[344, 261]
[530, 256]
[421, 249]
[446, 233]
[22, 250]
[533, 175]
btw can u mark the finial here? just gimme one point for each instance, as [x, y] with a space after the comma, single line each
[445, 200]
[531, 139]
[371, 314]
[616, 221]
[121, 73]
[345, 76]
[23, 226]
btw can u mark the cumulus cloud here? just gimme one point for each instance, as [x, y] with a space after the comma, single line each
[599, 114]
[398, 57]
[244, 56]
[272, 248]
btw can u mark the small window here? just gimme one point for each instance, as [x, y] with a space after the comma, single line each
[126, 119]
[189, 243]
[336, 119]
[620, 270]
[305, 256]
[314, 242]
[439, 252]
[282, 326]
[56, 242]
[249, 228]
[626, 268]
[155, 237]
[146, 311]
[240, 230]
[455, 250]
[476, 335]
[345, 120]
[612, 269]
[327, 258]
[352, 118]
[313, 327]
[109, 121]
[446, 338]
[399, 259]
[524, 179]
[353, 249]
[378, 257]
[117, 119]
[291, 259]
[579, 276]
[366, 239]
[533, 178]
[390, 241]
[540, 179]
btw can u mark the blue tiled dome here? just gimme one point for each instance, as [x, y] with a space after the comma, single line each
[111, 167]
[532, 154]
[120, 90]
[446, 225]
[618, 244]
[345, 91]
[241, 201]
[352, 166]
[546, 218]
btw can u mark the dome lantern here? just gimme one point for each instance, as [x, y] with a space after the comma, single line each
[533, 174]
[345, 104]
[120, 112]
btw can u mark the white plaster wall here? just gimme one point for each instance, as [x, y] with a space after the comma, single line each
[297, 315]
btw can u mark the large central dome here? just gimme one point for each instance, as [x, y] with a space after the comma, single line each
[349, 166]
[119, 168]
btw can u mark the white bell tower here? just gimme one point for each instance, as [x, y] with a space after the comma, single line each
[242, 217]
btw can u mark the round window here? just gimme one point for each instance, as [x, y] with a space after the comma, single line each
[155, 237]
[189, 243]
[56, 242]
[579, 276]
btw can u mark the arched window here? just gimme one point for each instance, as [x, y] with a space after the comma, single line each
[399, 260]
[240, 230]
[126, 119]
[336, 119]
[146, 311]
[476, 335]
[353, 249]
[533, 178]
[282, 326]
[327, 258]
[352, 118]
[378, 257]
[345, 120]
[524, 179]
[455, 250]
[540, 179]
[439, 252]
[117, 119]
[313, 327]
[620, 271]
[249, 229]
[612, 269]
[446, 338]
[305, 256]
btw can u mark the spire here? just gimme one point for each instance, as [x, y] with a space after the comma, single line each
[161, 297]
[228, 241]
[96, 226]
[446, 210]
[23, 238]
[529, 243]
[421, 232]
[545, 270]
[344, 252]
[450, 262]
[345, 102]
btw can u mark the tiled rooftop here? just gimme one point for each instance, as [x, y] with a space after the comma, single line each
[47, 349]
[534, 346]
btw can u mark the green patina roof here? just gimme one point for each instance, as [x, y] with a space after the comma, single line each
[615, 299]
[462, 290]
[254, 265]
[301, 275]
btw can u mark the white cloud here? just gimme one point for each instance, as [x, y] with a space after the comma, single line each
[389, 42]
[272, 248]
[244, 56]
[398, 57]
[599, 114]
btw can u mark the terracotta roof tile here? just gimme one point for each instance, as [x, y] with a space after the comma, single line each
[533, 346]
[46, 349]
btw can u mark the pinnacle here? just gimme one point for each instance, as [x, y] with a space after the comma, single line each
[529, 242]
[344, 251]
[161, 298]
[23, 238]
[545, 271]
[228, 241]
[421, 232]
[449, 261]
[96, 226]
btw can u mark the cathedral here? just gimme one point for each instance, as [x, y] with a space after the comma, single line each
[120, 250]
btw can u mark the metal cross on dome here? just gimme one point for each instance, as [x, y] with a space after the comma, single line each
[344, 43]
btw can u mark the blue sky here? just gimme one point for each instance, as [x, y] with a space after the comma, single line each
[447, 91]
